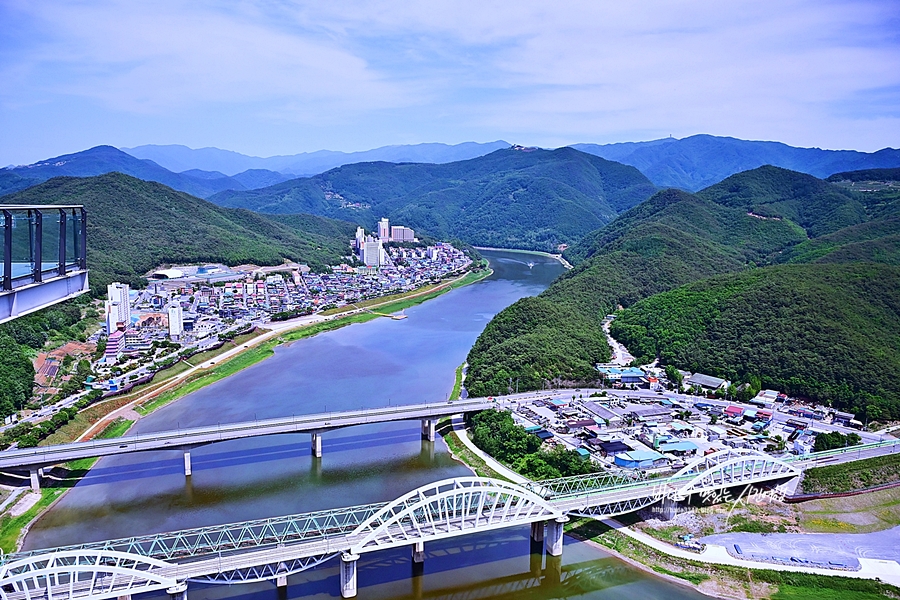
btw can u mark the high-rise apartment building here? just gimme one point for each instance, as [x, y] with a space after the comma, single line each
[372, 253]
[384, 229]
[118, 298]
[176, 321]
[402, 234]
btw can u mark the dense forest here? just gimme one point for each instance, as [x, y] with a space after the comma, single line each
[671, 239]
[829, 332]
[135, 226]
[516, 198]
[762, 217]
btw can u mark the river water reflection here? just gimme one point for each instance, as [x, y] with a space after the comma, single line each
[366, 365]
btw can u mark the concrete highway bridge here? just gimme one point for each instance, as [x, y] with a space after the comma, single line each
[34, 460]
[273, 549]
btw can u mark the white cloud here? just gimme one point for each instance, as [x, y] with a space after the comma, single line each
[541, 72]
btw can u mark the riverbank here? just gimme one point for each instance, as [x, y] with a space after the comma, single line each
[714, 572]
[557, 257]
[220, 367]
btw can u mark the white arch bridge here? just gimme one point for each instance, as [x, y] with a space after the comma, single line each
[272, 549]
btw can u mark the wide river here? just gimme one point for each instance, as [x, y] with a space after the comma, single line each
[365, 365]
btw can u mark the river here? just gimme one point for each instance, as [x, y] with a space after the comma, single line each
[372, 364]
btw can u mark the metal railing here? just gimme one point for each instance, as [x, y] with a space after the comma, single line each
[41, 242]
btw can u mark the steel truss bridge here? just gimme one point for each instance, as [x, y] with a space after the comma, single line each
[272, 549]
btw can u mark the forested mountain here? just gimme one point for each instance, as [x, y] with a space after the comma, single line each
[698, 161]
[513, 198]
[135, 225]
[817, 206]
[671, 239]
[830, 332]
[758, 218]
[181, 158]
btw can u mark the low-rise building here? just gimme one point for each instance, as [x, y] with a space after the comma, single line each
[707, 382]
[640, 459]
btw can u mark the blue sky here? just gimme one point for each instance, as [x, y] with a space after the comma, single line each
[281, 77]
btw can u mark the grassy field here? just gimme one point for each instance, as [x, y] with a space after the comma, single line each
[457, 383]
[11, 527]
[872, 511]
[857, 475]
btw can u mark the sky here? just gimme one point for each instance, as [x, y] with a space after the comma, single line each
[266, 77]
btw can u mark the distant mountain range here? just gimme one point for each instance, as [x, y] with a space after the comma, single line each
[512, 198]
[181, 158]
[695, 162]
[106, 159]
[691, 163]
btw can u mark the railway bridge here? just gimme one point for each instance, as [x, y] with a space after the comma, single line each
[273, 549]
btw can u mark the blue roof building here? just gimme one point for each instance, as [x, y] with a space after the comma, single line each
[640, 459]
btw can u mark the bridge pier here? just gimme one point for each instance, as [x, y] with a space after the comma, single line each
[418, 552]
[348, 575]
[178, 591]
[554, 539]
[317, 444]
[187, 463]
[35, 480]
[281, 581]
[537, 531]
[428, 426]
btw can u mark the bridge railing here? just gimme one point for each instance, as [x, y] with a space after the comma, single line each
[202, 542]
[840, 451]
[231, 430]
[41, 242]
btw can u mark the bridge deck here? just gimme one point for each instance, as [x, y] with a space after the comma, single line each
[196, 436]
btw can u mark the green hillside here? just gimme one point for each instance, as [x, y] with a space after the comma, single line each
[671, 239]
[515, 198]
[791, 326]
[830, 332]
[771, 192]
[135, 226]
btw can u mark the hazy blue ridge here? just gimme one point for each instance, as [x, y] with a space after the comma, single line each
[181, 158]
[106, 159]
[698, 161]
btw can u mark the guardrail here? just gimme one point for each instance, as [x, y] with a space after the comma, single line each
[41, 242]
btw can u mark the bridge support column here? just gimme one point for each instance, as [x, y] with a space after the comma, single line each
[554, 539]
[537, 531]
[187, 463]
[125, 597]
[428, 426]
[418, 552]
[281, 581]
[348, 575]
[178, 591]
[35, 480]
[317, 444]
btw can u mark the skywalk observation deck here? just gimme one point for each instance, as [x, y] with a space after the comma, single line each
[44, 257]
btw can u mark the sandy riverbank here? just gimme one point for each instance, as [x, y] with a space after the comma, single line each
[558, 257]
